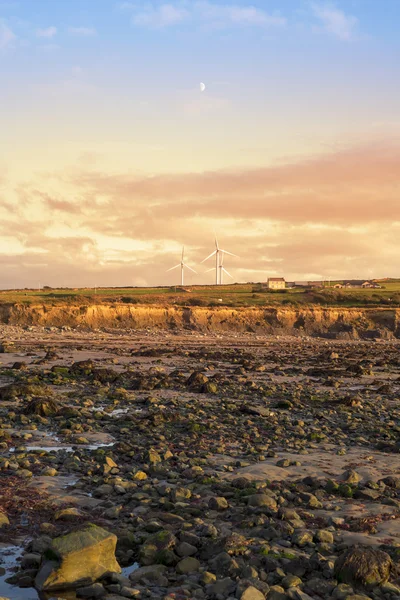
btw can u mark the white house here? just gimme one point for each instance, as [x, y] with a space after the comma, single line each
[276, 283]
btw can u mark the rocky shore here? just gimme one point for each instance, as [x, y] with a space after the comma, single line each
[178, 466]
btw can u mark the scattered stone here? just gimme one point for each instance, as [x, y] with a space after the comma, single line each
[252, 593]
[302, 537]
[351, 476]
[45, 407]
[188, 472]
[68, 514]
[262, 500]
[3, 520]
[218, 503]
[49, 472]
[188, 565]
[96, 590]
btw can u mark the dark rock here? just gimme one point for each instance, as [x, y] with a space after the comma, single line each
[218, 503]
[363, 565]
[45, 407]
[91, 591]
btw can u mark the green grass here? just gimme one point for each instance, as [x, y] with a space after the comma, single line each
[235, 295]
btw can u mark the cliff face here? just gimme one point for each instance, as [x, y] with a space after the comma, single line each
[345, 323]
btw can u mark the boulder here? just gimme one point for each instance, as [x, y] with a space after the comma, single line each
[218, 503]
[78, 559]
[68, 514]
[323, 536]
[207, 578]
[49, 472]
[45, 407]
[262, 500]
[302, 537]
[351, 476]
[364, 566]
[252, 593]
[188, 565]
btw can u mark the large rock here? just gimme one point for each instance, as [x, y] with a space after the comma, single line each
[188, 565]
[77, 559]
[262, 500]
[45, 407]
[218, 503]
[252, 593]
[363, 565]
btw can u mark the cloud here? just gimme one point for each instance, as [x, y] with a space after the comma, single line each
[82, 31]
[335, 21]
[201, 12]
[48, 33]
[7, 37]
[224, 14]
[159, 17]
[333, 215]
[59, 205]
[351, 186]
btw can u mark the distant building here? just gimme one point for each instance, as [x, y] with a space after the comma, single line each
[360, 284]
[276, 283]
[371, 284]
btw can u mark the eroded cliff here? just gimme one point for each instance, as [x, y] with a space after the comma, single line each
[346, 323]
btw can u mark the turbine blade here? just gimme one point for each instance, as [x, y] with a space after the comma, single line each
[212, 254]
[183, 252]
[172, 268]
[225, 271]
[190, 268]
[208, 270]
[230, 253]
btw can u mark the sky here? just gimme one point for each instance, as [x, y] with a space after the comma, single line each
[112, 158]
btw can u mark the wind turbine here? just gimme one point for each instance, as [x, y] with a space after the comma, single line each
[219, 254]
[182, 265]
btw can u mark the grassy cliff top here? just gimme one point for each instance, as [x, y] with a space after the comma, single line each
[236, 295]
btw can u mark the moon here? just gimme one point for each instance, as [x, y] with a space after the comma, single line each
[202, 87]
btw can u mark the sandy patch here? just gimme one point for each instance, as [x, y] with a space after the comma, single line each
[59, 491]
[372, 465]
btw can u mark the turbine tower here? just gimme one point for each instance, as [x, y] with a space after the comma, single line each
[219, 259]
[182, 265]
